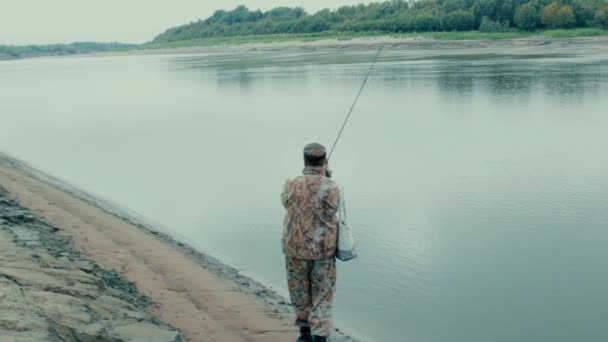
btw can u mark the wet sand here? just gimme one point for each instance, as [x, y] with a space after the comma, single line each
[162, 283]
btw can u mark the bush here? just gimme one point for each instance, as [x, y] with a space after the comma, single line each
[489, 26]
[426, 22]
[404, 23]
[458, 21]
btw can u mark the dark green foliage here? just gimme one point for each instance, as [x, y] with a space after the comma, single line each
[508, 8]
[601, 17]
[489, 26]
[59, 49]
[397, 16]
[486, 8]
[450, 6]
[426, 22]
[527, 17]
[459, 20]
[585, 11]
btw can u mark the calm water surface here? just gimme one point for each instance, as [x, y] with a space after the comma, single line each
[477, 187]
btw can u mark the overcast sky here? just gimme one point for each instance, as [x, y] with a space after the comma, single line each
[63, 21]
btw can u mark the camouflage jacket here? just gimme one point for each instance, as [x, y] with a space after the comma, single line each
[310, 229]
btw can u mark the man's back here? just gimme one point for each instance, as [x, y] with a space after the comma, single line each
[311, 226]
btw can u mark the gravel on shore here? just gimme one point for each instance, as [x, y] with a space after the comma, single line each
[49, 292]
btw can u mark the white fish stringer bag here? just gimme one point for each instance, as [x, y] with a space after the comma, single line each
[346, 247]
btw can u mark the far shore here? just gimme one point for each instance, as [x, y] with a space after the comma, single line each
[415, 45]
[412, 45]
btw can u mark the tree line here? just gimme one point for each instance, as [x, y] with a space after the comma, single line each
[398, 16]
[12, 51]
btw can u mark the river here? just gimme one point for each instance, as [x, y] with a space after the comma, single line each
[477, 186]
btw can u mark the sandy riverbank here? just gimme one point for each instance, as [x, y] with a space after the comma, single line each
[411, 46]
[415, 46]
[76, 266]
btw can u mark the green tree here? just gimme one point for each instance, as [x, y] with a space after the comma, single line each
[549, 15]
[458, 21]
[486, 8]
[404, 23]
[526, 17]
[425, 6]
[507, 8]
[585, 10]
[426, 22]
[601, 17]
[449, 6]
[565, 17]
[285, 13]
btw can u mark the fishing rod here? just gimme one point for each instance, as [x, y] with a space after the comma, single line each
[355, 102]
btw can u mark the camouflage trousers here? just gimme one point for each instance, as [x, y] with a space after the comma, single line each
[311, 287]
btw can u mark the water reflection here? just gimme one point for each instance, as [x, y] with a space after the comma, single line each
[454, 76]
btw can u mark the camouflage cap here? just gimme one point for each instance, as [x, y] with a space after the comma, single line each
[315, 151]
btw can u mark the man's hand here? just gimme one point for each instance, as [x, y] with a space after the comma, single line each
[328, 171]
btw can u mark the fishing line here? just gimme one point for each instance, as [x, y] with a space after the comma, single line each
[355, 103]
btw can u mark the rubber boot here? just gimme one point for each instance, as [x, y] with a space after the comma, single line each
[320, 339]
[305, 335]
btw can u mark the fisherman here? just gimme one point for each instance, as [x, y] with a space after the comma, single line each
[309, 243]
